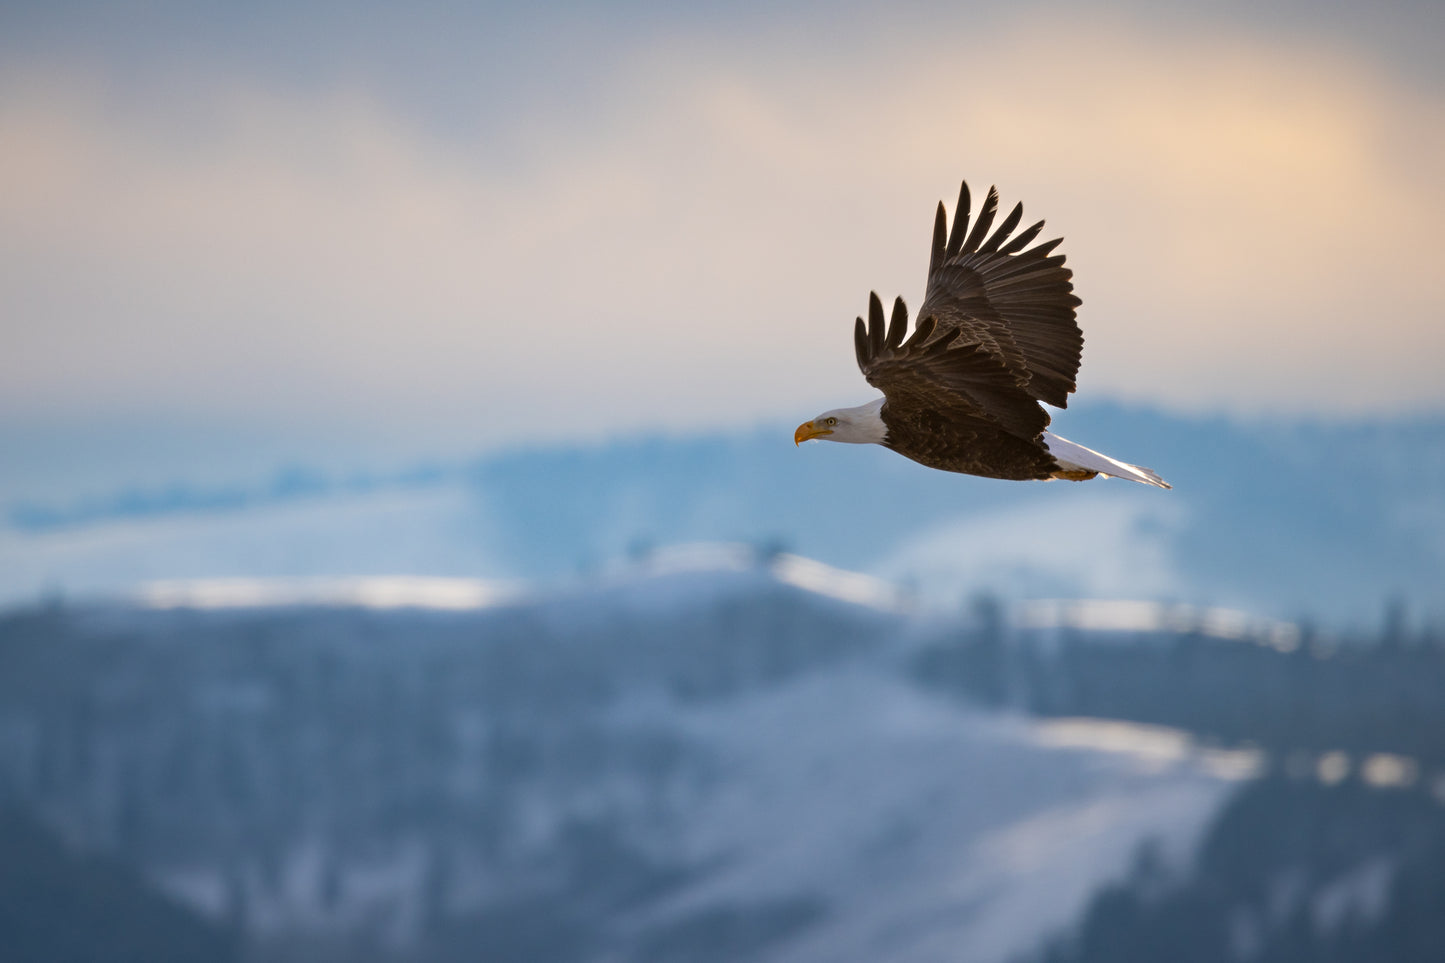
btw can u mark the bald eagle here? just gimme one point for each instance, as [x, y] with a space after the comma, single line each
[996, 336]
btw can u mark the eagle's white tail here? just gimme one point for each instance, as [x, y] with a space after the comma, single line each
[1074, 457]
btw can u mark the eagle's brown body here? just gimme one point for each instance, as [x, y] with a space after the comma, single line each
[932, 439]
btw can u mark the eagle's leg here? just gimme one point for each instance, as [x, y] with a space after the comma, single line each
[1081, 474]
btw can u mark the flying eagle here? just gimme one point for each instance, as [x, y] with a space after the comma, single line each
[995, 337]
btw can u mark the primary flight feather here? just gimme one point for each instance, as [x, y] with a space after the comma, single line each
[996, 336]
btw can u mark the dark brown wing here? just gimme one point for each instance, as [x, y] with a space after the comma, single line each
[932, 377]
[1016, 305]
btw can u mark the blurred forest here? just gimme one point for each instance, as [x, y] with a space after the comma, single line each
[1336, 854]
[341, 784]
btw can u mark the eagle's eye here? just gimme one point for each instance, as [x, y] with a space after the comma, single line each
[832, 421]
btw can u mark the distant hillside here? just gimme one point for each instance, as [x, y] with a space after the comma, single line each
[710, 765]
[1322, 520]
[1291, 871]
[727, 756]
[58, 906]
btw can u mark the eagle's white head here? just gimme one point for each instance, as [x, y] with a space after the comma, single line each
[862, 425]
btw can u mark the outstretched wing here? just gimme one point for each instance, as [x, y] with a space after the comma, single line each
[943, 377]
[1015, 305]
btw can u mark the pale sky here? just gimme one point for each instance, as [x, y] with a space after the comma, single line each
[468, 228]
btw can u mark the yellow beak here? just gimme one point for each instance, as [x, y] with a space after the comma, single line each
[808, 431]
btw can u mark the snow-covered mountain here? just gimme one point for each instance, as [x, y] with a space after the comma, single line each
[707, 755]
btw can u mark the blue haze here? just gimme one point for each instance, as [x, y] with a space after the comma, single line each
[1299, 519]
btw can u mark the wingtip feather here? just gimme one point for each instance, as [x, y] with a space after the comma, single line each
[960, 219]
[898, 324]
[985, 221]
[875, 324]
[937, 253]
[1004, 229]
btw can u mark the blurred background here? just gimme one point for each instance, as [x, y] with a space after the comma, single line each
[404, 557]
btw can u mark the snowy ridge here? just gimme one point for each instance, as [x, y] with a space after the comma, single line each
[714, 562]
[705, 566]
[367, 592]
[1123, 615]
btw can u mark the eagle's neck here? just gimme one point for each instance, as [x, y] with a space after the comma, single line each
[865, 424]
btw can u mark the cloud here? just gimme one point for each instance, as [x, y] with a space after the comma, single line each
[1250, 225]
